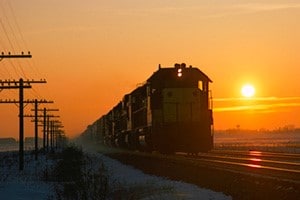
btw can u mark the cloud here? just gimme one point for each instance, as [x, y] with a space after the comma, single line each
[256, 7]
[256, 107]
[257, 99]
[249, 8]
[263, 104]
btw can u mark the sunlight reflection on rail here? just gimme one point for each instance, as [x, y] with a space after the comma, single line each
[255, 153]
[255, 159]
[253, 165]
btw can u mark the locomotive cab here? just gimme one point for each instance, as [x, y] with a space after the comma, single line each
[180, 108]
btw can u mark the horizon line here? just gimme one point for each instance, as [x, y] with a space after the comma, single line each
[270, 98]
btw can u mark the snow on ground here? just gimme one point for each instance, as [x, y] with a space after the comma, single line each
[28, 183]
[153, 187]
[285, 142]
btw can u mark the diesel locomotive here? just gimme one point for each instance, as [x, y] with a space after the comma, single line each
[170, 112]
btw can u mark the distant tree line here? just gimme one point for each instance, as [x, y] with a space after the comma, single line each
[284, 129]
[7, 141]
[11, 140]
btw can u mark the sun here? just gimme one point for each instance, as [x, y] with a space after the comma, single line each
[248, 90]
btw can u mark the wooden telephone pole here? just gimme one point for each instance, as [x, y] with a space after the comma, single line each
[36, 116]
[21, 85]
[46, 125]
[17, 85]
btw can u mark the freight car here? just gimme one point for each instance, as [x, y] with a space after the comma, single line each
[170, 112]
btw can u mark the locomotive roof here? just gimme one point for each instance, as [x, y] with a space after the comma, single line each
[163, 73]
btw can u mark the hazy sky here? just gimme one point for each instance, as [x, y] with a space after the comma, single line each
[93, 52]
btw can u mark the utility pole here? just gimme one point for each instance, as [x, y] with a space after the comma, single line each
[36, 120]
[9, 55]
[36, 116]
[36, 126]
[54, 132]
[46, 125]
[36, 136]
[44, 130]
[21, 85]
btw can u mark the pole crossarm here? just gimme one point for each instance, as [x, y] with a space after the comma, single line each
[17, 82]
[21, 84]
[58, 130]
[13, 86]
[57, 121]
[41, 116]
[42, 121]
[57, 126]
[49, 109]
[35, 81]
[25, 101]
[9, 55]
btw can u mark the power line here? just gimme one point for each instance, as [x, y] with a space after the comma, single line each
[6, 34]
[14, 36]
[17, 25]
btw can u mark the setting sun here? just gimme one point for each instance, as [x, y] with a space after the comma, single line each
[248, 90]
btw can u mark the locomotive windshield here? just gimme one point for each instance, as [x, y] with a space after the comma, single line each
[187, 79]
[179, 77]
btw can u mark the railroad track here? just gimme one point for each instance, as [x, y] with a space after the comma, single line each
[242, 174]
[282, 166]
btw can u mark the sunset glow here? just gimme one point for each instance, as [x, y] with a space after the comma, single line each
[92, 53]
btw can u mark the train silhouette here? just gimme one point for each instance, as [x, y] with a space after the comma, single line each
[171, 112]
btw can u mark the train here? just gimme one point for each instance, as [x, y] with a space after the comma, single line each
[170, 112]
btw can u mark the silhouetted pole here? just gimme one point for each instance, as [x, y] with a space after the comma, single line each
[46, 126]
[21, 108]
[44, 130]
[47, 133]
[56, 132]
[21, 103]
[36, 102]
[36, 128]
[21, 126]
[51, 135]
[56, 138]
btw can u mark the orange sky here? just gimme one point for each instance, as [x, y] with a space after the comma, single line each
[93, 52]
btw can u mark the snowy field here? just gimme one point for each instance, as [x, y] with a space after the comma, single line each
[125, 181]
[29, 183]
[273, 142]
[26, 184]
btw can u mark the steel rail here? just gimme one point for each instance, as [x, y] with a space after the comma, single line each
[253, 159]
[252, 165]
[258, 153]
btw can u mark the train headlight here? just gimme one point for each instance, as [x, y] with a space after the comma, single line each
[179, 72]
